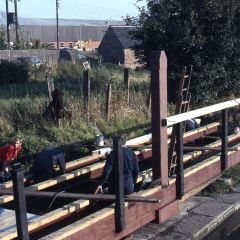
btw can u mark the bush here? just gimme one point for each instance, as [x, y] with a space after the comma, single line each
[13, 72]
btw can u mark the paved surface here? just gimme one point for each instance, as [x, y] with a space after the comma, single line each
[196, 218]
[8, 219]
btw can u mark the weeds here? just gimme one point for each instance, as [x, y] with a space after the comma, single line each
[22, 105]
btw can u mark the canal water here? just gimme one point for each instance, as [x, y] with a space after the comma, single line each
[228, 230]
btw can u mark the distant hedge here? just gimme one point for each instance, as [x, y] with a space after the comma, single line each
[13, 72]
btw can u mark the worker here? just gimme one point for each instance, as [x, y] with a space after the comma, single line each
[56, 109]
[8, 153]
[130, 170]
[47, 163]
[191, 124]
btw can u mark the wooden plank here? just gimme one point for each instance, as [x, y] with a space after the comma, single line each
[147, 153]
[201, 111]
[45, 219]
[62, 178]
[84, 161]
[69, 166]
[189, 156]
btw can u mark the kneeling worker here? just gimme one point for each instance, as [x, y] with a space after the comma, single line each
[130, 171]
[8, 153]
[46, 163]
[191, 124]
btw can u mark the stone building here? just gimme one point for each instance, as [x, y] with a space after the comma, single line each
[116, 45]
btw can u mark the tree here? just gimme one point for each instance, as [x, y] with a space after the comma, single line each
[205, 34]
[2, 39]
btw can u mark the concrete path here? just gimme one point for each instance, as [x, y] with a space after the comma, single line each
[197, 217]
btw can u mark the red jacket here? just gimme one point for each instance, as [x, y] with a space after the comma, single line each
[9, 152]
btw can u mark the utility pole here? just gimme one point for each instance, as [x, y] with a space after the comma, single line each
[16, 24]
[8, 35]
[57, 6]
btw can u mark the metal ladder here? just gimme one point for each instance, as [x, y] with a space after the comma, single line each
[182, 106]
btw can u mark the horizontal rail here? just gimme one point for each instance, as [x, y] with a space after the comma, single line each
[200, 112]
[209, 148]
[101, 197]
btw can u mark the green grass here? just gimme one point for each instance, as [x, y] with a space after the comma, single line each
[219, 187]
[22, 106]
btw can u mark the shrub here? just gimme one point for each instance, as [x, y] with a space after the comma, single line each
[13, 72]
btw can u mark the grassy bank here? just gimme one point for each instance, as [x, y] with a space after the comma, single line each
[22, 106]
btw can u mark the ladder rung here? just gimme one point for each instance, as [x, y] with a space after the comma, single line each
[186, 76]
[184, 102]
[184, 89]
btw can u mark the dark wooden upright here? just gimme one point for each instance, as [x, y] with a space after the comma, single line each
[224, 154]
[179, 169]
[126, 83]
[159, 115]
[50, 84]
[20, 202]
[86, 84]
[86, 91]
[120, 223]
[108, 100]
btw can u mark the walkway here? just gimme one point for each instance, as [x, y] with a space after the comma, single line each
[198, 216]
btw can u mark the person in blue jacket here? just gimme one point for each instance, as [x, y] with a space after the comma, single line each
[191, 124]
[46, 163]
[130, 171]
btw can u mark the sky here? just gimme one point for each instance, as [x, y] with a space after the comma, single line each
[76, 9]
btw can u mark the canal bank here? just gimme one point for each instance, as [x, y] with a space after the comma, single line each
[197, 217]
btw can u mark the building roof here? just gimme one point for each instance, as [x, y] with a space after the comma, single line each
[123, 33]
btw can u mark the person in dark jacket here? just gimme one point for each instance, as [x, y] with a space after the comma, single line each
[191, 124]
[56, 109]
[130, 171]
[46, 163]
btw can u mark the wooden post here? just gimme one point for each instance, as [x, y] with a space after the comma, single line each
[8, 33]
[224, 155]
[120, 223]
[108, 100]
[126, 83]
[20, 201]
[50, 84]
[223, 234]
[17, 43]
[86, 91]
[179, 168]
[149, 101]
[159, 114]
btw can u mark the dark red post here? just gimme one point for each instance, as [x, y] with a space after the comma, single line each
[159, 115]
